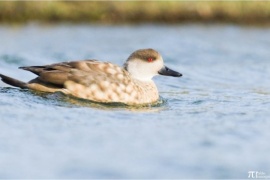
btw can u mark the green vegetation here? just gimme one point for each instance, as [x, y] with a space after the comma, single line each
[247, 12]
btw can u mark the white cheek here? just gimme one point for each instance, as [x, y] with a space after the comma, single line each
[156, 66]
[144, 70]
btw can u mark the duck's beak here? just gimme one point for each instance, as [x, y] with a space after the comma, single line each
[168, 72]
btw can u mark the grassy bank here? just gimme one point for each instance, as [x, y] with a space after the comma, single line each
[246, 12]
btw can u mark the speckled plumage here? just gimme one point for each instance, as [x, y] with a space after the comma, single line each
[98, 81]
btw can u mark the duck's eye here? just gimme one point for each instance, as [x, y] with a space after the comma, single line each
[150, 59]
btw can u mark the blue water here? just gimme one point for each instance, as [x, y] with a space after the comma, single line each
[213, 123]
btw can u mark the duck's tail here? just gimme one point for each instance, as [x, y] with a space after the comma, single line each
[13, 82]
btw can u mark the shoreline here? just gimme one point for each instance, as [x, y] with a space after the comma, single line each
[136, 12]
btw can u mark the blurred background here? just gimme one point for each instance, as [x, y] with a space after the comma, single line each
[244, 12]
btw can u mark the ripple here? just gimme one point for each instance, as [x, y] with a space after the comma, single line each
[12, 59]
[60, 99]
[197, 102]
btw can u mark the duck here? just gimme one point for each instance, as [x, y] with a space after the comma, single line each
[99, 81]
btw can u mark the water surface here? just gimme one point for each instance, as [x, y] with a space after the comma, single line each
[214, 122]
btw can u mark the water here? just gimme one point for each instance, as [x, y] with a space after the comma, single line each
[214, 122]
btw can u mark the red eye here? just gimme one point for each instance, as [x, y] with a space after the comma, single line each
[150, 59]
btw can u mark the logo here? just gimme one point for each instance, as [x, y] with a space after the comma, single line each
[258, 175]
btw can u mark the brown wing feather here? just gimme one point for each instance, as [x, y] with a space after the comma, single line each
[55, 77]
[83, 72]
[88, 72]
[101, 81]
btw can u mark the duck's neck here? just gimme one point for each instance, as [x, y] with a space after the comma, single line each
[148, 89]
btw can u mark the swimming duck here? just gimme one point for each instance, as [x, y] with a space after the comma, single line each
[101, 81]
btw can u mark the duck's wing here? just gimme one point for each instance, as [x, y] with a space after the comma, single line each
[55, 74]
[83, 72]
[89, 79]
[99, 81]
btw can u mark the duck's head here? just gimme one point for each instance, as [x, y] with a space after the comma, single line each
[144, 64]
